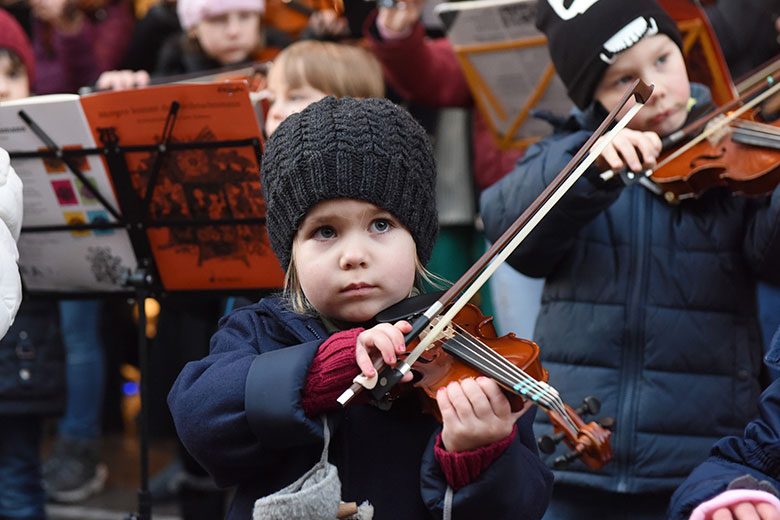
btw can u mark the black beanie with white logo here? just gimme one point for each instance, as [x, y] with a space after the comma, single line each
[584, 36]
[365, 149]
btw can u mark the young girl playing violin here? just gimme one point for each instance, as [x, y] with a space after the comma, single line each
[337, 179]
[649, 305]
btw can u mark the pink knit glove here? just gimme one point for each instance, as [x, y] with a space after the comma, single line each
[729, 498]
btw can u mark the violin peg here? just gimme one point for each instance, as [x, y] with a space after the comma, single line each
[590, 406]
[566, 459]
[548, 443]
[607, 422]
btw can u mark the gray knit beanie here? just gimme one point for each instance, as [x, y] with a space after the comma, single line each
[365, 149]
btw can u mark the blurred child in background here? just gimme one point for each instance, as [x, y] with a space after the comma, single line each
[216, 34]
[74, 44]
[31, 353]
[309, 70]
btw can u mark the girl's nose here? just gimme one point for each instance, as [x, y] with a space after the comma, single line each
[233, 24]
[353, 256]
[280, 109]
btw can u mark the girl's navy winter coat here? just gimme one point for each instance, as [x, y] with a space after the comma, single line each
[649, 306]
[239, 413]
[756, 453]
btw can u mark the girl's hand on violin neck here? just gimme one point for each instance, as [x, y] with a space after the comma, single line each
[475, 413]
[633, 149]
[387, 340]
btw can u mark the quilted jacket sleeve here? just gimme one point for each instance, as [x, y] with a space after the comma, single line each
[553, 237]
[10, 226]
[516, 485]
[216, 401]
[756, 453]
[762, 239]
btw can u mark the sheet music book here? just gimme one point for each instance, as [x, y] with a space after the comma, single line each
[194, 186]
[57, 261]
[506, 63]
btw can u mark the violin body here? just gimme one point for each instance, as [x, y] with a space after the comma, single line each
[736, 148]
[437, 368]
[744, 169]
[470, 347]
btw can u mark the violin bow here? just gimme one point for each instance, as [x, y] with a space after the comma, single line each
[468, 284]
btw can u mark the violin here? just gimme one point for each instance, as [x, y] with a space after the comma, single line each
[734, 147]
[292, 16]
[428, 341]
[469, 347]
[737, 145]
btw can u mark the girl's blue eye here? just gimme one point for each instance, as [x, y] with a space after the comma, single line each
[324, 232]
[380, 225]
[662, 59]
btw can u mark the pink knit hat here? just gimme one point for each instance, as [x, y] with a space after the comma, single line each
[13, 38]
[192, 12]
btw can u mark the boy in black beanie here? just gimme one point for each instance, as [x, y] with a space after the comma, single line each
[648, 305]
[349, 188]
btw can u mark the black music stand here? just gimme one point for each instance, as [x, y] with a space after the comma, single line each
[135, 216]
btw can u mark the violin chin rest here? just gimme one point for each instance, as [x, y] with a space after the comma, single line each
[408, 308]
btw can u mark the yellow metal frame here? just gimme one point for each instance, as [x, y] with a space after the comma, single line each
[694, 33]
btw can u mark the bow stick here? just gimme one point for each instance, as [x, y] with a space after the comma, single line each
[483, 268]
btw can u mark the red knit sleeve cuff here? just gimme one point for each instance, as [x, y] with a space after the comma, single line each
[331, 372]
[462, 468]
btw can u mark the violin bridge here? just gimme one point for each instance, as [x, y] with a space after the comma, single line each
[447, 332]
[720, 129]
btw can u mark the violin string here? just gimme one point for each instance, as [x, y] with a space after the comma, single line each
[491, 361]
[538, 391]
[518, 380]
[763, 128]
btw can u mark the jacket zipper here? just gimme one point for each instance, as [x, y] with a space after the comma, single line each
[633, 353]
[311, 329]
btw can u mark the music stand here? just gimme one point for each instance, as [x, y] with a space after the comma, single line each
[140, 217]
[505, 62]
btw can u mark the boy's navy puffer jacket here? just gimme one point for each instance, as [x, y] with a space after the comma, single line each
[651, 307]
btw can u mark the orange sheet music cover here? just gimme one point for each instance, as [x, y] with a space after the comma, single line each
[195, 184]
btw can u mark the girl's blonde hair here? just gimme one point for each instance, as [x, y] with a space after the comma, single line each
[337, 69]
[293, 292]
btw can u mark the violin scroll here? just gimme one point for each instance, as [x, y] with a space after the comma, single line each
[589, 442]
